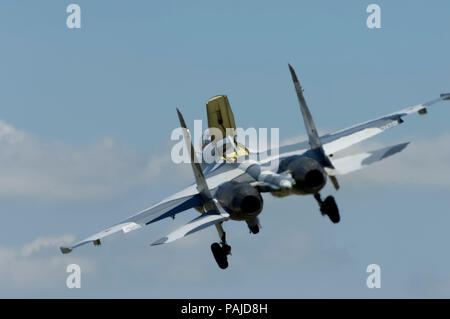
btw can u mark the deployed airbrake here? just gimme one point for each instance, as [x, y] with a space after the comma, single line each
[231, 189]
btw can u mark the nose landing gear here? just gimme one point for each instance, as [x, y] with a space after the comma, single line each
[253, 225]
[328, 207]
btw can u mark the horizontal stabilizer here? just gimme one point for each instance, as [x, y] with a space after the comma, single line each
[205, 220]
[356, 162]
[445, 96]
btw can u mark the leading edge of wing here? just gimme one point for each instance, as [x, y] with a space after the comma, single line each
[166, 208]
[345, 138]
[177, 203]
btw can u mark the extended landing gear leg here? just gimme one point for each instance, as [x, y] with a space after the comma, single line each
[253, 225]
[222, 250]
[328, 207]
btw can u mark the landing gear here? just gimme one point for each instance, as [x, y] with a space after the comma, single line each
[220, 255]
[254, 229]
[253, 225]
[222, 250]
[328, 207]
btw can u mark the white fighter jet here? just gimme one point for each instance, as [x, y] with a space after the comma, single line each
[231, 189]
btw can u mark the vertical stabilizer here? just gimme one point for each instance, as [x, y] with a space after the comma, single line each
[202, 186]
[313, 136]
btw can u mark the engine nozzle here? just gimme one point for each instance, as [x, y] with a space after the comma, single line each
[241, 200]
[308, 174]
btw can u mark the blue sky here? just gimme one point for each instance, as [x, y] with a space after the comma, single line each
[86, 117]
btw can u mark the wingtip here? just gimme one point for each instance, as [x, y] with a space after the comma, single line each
[65, 250]
[404, 145]
[445, 96]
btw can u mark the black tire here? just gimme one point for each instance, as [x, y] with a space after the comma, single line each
[254, 229]
[219, 255]
[330, 209]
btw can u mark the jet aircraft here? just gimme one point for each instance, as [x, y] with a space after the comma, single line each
[231, 189]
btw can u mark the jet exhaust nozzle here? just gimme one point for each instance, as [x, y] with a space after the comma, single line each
[241, 200]
[308, 174]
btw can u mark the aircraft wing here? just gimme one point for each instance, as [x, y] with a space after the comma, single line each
[343, 139]
[169, 207]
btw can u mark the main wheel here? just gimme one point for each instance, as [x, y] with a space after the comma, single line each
[254, 229]
[330, 209]
[220, 255]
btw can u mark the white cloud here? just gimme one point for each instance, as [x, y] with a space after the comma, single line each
[9, 134]
[35, 267]
[54, 171]
[45, 242]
